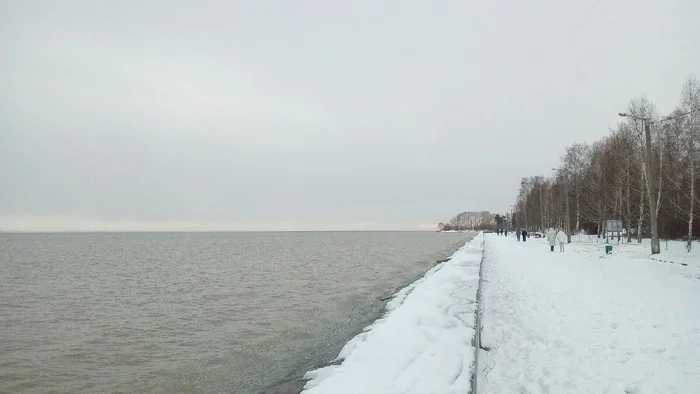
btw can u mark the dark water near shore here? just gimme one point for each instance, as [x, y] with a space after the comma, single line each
[193, 312]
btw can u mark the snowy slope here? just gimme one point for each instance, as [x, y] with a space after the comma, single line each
[424, 343]
[582, 322]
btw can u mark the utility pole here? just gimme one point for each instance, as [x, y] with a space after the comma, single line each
[568, 216]
[651, 189]
[567, 220]
[652, 184]
[509, 221]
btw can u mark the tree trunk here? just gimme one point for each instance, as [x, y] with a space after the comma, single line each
[689, 246]
[661, 180]
[619, 216]
[568, 216]
[578, 212]
[542, 224]
[600, 215]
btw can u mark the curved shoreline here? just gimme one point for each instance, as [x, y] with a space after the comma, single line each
[443, 301]
[294, 381]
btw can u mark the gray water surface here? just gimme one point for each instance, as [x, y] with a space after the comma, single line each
[193, 312]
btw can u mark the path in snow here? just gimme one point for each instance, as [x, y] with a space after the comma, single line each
[579, 322]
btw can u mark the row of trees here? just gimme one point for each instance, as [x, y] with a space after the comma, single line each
[645, 173]
[483, 220]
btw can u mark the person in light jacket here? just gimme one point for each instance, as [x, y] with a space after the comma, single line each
[561, 238]
[552, 238]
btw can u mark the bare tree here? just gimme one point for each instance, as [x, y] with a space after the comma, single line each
[525, 189]
[575, 162]
[483, 220]
[642, 111]
[644, 158]
[690, 102]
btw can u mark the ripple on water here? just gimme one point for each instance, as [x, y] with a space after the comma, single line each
[204, 312]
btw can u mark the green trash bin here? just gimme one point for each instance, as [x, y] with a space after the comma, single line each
[608, 249]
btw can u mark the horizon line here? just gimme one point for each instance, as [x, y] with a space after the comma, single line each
[211, 231]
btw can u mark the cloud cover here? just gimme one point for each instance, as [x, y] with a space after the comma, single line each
[271, 115]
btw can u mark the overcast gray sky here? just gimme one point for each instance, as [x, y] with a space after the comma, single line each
[237, 115]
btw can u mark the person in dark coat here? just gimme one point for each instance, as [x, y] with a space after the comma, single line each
[524, 235]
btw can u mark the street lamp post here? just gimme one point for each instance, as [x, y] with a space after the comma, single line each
[567, 222]
[652, 175]
[509, 220]
[651, 183]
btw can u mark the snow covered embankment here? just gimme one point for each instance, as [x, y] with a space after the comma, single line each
[422, 345]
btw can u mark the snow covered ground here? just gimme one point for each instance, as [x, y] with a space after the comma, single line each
[422, 345]
[573, 322]
[583, 322]
[671, 251]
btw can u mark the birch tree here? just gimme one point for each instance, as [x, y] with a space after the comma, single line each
[690, 102]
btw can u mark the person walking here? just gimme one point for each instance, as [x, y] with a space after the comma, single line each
[524, 235]
[561, 238]
[552, 238]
